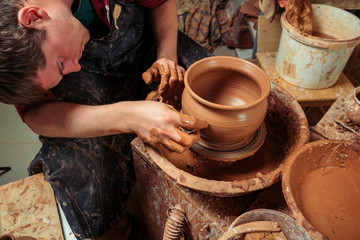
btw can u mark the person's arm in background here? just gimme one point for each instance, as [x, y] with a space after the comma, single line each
[163, 19]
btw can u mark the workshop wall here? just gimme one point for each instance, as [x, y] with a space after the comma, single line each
[18, 145]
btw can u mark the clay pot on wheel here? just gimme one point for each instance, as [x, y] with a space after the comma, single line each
[231, 95]
[352, 106]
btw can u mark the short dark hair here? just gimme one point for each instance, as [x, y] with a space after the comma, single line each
[21, 56]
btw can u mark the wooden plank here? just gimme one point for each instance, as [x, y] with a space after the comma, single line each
[334, 126]
[28, 208]
[306, 97]
[268, 34]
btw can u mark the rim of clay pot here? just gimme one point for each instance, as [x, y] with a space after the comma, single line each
[244, 69]
[312, 40]
[287, 191]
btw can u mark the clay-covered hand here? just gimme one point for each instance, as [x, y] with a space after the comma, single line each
[171, 77]
[165, 126]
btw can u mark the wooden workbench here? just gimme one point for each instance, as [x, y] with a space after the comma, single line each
[306, 97]
[28, 208]
[334, 125]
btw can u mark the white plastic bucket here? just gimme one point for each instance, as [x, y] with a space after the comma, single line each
[315, 62]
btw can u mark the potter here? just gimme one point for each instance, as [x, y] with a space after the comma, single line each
[231, 95]
[352, 106]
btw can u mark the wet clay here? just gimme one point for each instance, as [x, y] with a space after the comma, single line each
[323, 35]
[230, 94]
[300, 15]
[170, 87]
[226, 88]
[265, 160]
[278, 144]
[287, 130]
[321, 185]
[330, 198]
[160, 143]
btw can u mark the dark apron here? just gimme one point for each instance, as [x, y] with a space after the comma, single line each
[92, 177]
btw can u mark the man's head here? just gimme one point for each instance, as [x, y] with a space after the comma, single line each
[40, 41]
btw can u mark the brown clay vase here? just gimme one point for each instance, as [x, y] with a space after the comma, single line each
[231, 95]
[352, 106]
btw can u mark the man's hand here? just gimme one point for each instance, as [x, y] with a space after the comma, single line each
[171, 77]
[161, 125]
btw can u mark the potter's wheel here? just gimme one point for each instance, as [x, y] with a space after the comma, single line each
[204, 149]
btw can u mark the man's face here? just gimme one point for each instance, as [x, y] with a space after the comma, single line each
[64, 44]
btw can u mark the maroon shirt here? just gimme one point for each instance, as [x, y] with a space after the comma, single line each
[102, 6]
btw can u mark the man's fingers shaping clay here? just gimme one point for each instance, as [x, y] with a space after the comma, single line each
[152, 74]
[188, 138]
[190, 122]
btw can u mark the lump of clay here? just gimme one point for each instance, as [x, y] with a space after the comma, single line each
[300, 15]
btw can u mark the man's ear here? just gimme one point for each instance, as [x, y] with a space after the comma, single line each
[32, 16]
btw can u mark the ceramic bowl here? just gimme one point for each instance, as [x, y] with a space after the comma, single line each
[321, 183]
[289, 227]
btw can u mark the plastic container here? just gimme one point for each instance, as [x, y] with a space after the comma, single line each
[316, 61]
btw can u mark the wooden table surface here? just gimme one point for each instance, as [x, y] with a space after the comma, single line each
[28, 208]
[306, 97]
[334, 126]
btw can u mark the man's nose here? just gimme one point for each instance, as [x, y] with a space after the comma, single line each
[70, 66]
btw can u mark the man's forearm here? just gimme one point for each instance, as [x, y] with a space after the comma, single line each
[60, 119]
[163, 19]
[154, 122]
